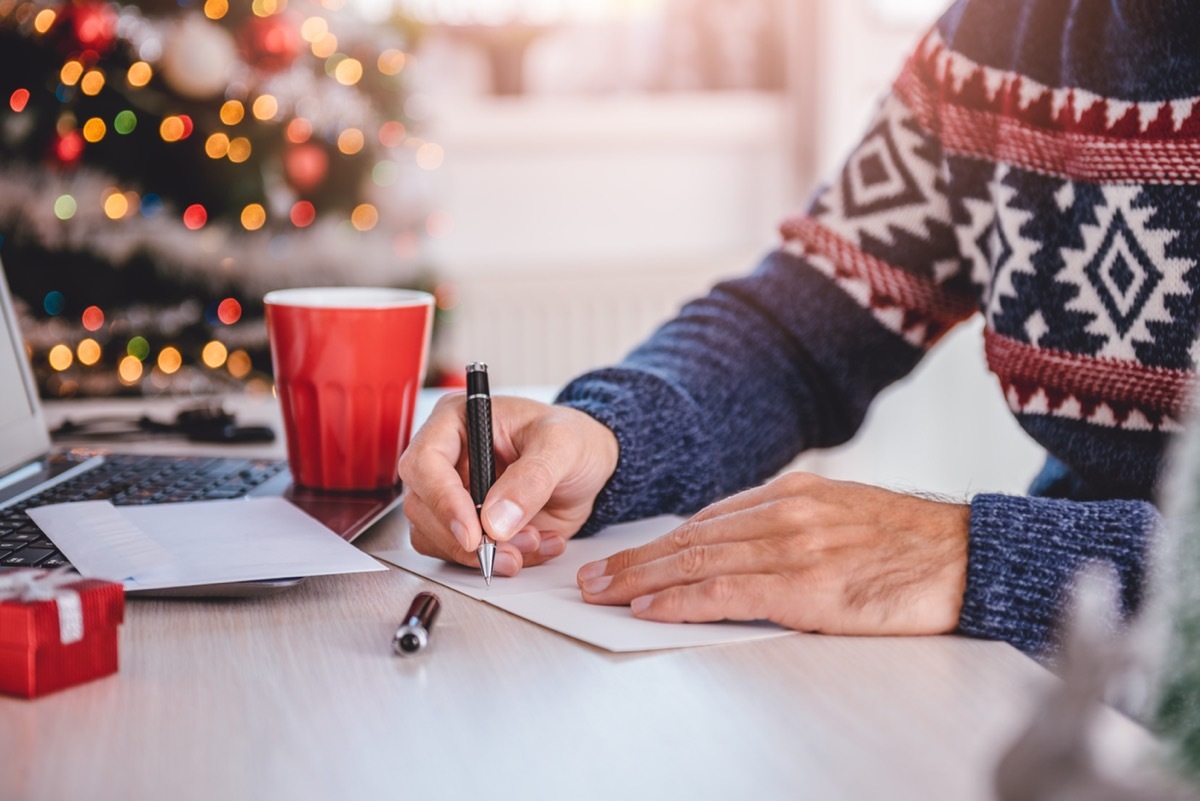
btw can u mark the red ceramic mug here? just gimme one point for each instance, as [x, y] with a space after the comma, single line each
[348, 363]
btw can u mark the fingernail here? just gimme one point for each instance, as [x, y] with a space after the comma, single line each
[505, 564]
[460, 533]
[639, 605]
[597, 585]
[504, 517]
[526, 541]
[590, 571]
[552, 546]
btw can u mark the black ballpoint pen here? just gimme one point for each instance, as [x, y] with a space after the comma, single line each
[481, 458]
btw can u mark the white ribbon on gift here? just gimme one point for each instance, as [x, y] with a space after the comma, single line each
[35, 586]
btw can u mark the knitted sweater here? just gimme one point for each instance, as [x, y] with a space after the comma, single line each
[1036, 162]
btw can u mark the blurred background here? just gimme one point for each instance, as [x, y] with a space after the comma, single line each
[563, 175]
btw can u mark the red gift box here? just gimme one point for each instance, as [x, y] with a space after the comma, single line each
[56, 630]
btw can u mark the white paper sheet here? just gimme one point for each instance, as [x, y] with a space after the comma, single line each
[201, 542]
[549, 596]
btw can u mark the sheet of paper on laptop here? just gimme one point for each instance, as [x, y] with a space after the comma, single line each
[201, 542]
[549, 596]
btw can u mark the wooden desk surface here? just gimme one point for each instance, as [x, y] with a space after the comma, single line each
[298, 696]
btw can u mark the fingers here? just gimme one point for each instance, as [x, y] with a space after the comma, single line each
[738, 526]
[690, 566]
[430, 537]
[429, 470]
[740, 597]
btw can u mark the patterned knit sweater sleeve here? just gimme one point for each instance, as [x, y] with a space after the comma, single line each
[983, 185]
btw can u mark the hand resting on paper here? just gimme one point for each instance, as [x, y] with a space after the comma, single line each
[802, 551]
[551, 462]
[805, 552]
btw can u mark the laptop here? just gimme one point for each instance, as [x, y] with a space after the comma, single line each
[32, 473]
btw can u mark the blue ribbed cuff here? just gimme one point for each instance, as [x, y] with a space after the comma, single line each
[1024, 554]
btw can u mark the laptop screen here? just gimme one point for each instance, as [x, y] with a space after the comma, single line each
[22, 429]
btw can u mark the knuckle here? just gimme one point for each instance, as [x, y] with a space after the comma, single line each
[450, 400]
[683, 537]
[719, 591]
[693, 562]
[795, 482]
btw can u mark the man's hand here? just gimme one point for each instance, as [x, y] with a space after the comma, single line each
[805, 552]
[551, 462]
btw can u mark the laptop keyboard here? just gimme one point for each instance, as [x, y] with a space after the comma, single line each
[128, 480]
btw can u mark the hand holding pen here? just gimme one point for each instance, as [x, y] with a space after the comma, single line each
[549, 463]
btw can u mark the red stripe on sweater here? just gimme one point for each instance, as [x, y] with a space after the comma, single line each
[1092, 381]
[923, 302]
[1025, 130]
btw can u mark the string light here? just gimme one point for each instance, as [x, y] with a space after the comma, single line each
[93, 318]
[139, 74]
[116, 206]
[44, 20]
[71, 72]
[430, 156]
[64, 207]
[94, 129]
[303, 214]
[129, 371]
[216, 9]
[69, 147]
[391, 61]
[313, 29]
[239, 364]
[124, 122]
[232, 112]
[299, 130]
[239, 149]
[265, 107]
[266, 8]
[348, 71]
[18, 100]
[195, 216]
[92, 82]
[60, 357]
[254, 216]
[325, 46]
[171, 129]
[350, 141]
[217, 146]
[89, 352]
[385, 173]
[364, 217]
[170, 360]
[214, 354]
[391, 134]
[138, 348]
[54, 302]
[229, 311]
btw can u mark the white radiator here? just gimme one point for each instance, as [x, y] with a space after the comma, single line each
[543, 329]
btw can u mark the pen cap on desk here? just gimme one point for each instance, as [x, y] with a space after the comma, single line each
[348, 364]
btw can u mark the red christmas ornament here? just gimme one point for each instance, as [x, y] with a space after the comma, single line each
[306, 165]
[68, 148]
[90, 25]
[270, 44]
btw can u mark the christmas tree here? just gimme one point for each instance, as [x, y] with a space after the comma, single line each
[163, 164]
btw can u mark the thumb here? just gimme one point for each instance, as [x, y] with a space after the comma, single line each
[521, 491]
